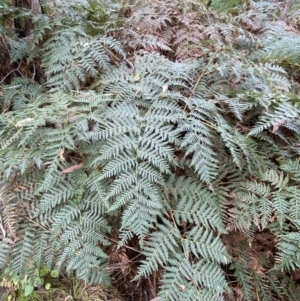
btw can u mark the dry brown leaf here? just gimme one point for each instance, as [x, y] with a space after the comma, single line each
[61, 154]
[24, 121]
[72, 168]
[277, 124]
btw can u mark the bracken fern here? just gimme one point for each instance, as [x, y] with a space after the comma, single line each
[166, 129]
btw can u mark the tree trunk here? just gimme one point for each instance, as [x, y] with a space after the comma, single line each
[4, 61]
[24, 25]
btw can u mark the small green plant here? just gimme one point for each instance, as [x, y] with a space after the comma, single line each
[52, 288]
[27, 285]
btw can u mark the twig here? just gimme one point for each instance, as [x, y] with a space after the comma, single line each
[34, 72]
[17, 69]
[34, 222]
[200, 76]
[111, 53]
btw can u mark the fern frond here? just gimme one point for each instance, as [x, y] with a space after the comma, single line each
[8, 215]
[202, 244]
[169, 129]
[243, 276]
[21, 263]
[197, 140]
[288, 256]
[5, 248]
[79, 57]
[281, 206]
[195, 204]
[185, 280]
[161, 246]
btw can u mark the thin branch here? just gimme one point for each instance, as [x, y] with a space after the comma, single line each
[34, 72]
[17, 69]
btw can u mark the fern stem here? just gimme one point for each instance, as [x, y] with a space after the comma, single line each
[257, 294]
[125, 246]
[198, 80]
[200, 76]
[193, 91]
[36, 223]
[119, 60]
[154, 281]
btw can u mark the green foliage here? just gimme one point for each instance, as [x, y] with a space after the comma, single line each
[167, 128]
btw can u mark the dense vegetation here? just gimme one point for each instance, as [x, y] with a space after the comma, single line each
[153, 146]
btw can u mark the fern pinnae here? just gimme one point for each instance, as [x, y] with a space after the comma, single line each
[159, 247]
[23, 252]
[201, 243]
